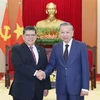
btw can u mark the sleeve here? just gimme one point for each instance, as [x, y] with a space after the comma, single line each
[47, 83]
[52, 63]
[85, 68]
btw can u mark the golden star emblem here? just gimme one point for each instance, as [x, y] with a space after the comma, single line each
[18, 31]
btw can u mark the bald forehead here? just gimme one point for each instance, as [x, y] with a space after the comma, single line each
[50, 5]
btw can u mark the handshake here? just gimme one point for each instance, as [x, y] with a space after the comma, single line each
[40, 74]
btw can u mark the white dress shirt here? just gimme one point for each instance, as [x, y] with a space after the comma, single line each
[35, 53]
[69, 47]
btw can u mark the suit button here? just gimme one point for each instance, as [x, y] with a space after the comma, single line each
[66, 76]
[65, 68]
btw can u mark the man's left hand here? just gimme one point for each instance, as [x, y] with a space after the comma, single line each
[83, 93]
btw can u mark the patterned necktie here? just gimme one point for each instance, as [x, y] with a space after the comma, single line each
[31, 49]
[66, 53]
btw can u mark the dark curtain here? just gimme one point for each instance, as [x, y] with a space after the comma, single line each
[67, 10]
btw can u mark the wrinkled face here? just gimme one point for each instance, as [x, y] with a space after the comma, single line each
[66, 33]
[29, 37]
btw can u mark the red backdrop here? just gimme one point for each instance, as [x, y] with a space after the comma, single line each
[67, 10]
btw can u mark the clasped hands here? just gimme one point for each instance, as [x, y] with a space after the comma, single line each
[40, 74]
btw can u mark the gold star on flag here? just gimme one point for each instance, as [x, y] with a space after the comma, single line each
[18, 31]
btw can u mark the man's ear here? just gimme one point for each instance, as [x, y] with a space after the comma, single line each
[73, 33]
[56, 12]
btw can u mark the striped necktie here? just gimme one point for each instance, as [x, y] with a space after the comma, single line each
[31, 49]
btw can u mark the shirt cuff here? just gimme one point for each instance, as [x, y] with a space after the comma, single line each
[85, 90]
[35, 73]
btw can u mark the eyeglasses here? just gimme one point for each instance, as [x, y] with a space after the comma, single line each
[28, 35]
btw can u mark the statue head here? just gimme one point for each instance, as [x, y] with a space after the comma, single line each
[51, 9]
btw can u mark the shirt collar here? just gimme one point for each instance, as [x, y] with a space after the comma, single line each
[31, 46]
[69, 43]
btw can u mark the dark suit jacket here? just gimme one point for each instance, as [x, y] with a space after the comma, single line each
[75, 73]
[25, 84]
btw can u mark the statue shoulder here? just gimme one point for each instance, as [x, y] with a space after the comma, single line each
[60, 21]
[40, 23]
[46, 23]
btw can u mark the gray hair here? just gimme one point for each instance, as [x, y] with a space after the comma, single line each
[66, 24]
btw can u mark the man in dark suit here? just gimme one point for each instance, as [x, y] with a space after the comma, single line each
[27, 59]
[71, 64]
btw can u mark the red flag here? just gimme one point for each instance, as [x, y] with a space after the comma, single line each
[5, 32]
[17, 35]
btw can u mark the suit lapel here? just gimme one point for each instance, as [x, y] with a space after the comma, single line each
[38, 50]
[72, 52]
[61, 52]
[25, 47]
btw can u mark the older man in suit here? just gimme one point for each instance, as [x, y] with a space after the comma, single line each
[70, 59]
[27, 59]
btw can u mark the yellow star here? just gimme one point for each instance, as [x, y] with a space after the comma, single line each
[18, 31]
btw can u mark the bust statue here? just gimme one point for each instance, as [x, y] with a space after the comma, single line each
[51, 20]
